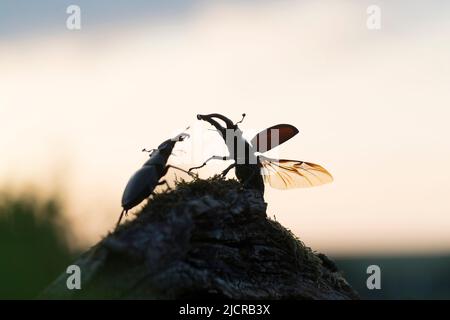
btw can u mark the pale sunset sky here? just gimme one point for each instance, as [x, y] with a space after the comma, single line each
[372, 107]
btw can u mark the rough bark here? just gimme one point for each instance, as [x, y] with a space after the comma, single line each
[204, 239]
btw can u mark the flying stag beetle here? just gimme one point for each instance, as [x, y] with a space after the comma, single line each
[142, 183]
[252, 168]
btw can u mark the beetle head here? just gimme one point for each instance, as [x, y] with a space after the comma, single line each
[167, 146]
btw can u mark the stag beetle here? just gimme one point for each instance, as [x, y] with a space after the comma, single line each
[143, 182]
[253, 169]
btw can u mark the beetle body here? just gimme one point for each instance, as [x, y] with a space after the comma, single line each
[142, 183]
[254, 169]
[246, 163]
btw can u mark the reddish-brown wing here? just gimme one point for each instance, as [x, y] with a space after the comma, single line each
[286, 174]
[273, 136]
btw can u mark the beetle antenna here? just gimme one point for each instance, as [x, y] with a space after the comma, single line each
[240, 121]
[149, 151]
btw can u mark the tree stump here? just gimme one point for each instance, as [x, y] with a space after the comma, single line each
[208, 239]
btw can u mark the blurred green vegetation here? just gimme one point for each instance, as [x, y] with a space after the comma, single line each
[402, 277]
[32, 250]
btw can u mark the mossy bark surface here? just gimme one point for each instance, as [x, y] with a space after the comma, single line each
[204, 239]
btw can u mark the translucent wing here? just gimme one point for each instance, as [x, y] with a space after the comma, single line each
[273, 136]
[286, 174]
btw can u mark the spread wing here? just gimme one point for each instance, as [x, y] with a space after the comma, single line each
[273, 136]
[286, 174]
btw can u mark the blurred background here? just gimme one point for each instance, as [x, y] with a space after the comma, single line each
[77, 106]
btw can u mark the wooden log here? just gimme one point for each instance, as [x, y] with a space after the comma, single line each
[208, 239]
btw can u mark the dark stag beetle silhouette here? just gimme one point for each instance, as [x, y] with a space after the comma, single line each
[252, 169]
[144, 181]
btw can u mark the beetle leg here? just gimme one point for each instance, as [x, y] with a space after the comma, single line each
[175, 167]
[164, 182]
[231, 166]
[121, 215]
[211, 158]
